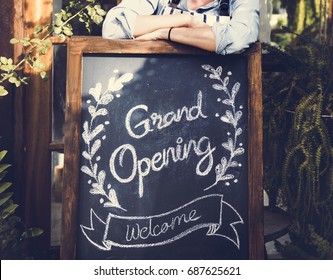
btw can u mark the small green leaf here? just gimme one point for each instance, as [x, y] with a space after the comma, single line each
[91, 11]
[7, 68]
[58, 22]
[97, 19]
[99, 10]
[3, 175]
[25, 42]
[48, 27]
[42, 51]
[57, 30]
[2, 154]
[14, 41]
[3, 60]
[4, 186]
[43, 75]
[36, 41]
[6, 205]
[15, 81]
[3, 167]
[38, 65]
[5, 197]
[58, 15]
[31, 232]
[67, 31]
[9, 210]
[38, 30]
[47, 43]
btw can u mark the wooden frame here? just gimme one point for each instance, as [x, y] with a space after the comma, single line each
[77, 47]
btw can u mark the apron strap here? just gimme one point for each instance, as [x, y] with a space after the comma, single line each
[174, 3]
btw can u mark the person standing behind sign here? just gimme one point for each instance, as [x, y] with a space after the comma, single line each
[144, 20]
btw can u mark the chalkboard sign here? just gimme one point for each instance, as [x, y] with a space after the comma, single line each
[160, 153]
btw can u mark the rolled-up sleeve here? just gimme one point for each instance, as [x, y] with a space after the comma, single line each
[119, 21]
[241, 31]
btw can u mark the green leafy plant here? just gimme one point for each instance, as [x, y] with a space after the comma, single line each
[299, 168]
[13, 232]
[88, 12]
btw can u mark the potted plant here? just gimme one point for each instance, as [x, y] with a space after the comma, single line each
[298, 117]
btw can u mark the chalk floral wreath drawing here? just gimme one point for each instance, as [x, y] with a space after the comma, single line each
[90, 133]
[231, 117]
[93, 144]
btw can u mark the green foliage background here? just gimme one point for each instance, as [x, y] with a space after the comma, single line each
[13, 232]
[298, 118]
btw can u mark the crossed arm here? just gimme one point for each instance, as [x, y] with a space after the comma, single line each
[186, 30]
[138, 22]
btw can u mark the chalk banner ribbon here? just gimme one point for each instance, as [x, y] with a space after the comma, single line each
[209, 211]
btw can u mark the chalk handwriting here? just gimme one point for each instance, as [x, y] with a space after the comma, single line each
[152, 230]
[159, 121]
[142, 167]
[165, 228]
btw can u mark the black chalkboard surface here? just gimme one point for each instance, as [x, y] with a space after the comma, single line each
[163, 157]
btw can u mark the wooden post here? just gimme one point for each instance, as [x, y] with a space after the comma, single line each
[255, 154]
[72, 130]
[18, 32]
[36, 119]
[29, 116]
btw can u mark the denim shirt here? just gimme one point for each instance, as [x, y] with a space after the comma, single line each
[232, 37]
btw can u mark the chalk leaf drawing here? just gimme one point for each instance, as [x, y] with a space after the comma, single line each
[91, 136]
[232, 117]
